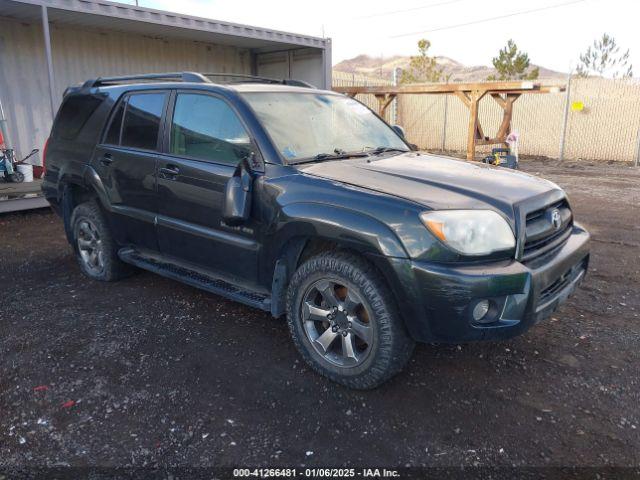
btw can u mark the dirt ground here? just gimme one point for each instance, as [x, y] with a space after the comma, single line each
[151, 372]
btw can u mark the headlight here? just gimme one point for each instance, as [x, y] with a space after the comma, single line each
[471, 232]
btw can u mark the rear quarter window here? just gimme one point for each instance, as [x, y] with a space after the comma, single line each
[141, 123]
[74, 114]
[113, 134]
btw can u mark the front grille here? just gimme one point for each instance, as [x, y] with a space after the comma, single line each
[541, 235]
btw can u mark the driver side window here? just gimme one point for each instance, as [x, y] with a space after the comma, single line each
[206, 128]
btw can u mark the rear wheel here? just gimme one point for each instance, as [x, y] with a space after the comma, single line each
[96, 252]
[344, 321]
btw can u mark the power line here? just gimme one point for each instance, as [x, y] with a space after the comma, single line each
[458, 25]
[423, 7]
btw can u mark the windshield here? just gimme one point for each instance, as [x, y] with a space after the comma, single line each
[308, 125]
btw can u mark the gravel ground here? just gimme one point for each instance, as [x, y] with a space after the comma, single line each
[150, 372]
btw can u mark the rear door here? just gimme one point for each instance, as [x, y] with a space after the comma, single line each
[204, 143]
[126, 161]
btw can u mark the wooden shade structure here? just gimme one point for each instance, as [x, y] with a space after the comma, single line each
[504, 93]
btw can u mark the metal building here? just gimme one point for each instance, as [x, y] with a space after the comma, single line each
[48, 45]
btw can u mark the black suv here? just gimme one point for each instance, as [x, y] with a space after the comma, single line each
[304, 203]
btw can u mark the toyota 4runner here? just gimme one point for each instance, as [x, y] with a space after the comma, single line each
[303, 202]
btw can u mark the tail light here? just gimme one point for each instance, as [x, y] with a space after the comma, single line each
[1, 140]
[44, 156]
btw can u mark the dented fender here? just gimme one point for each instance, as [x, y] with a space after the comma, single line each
[345, 226]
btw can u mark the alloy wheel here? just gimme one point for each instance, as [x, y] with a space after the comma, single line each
[337, 323]
[90, 246]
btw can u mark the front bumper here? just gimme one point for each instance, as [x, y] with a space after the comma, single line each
[442, 297]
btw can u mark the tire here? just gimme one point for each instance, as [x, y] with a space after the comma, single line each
[95, 249]
[17, 177]
[370, 344]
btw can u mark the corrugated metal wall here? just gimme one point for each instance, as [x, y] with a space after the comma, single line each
[303, 64]
[24, 85]
[81, 54]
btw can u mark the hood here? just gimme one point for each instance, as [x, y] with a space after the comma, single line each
[436, 182]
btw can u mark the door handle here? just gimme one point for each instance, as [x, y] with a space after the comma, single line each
[169, 172]
[106, 159]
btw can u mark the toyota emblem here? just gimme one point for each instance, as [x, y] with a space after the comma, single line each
[556, 220]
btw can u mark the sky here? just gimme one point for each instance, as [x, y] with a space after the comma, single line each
[552, 32]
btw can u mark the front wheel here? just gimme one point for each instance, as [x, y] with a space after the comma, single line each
[344, 321]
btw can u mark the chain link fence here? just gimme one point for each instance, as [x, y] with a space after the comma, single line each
[602, 123]
[343, 79]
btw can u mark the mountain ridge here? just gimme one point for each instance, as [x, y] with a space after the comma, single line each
[382, 67]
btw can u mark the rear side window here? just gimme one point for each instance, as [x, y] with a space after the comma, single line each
[142, 120]
[74, 114]
[113, 134]
[206, 128]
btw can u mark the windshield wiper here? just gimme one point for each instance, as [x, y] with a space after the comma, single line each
[379, 150]
[337, 155]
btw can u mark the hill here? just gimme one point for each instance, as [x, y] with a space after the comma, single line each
[383, 68]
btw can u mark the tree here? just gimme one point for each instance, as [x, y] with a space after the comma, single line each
[422, 67]
[603, 58]
[512, 64]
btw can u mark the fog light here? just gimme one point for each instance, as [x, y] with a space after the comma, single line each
[480, 310]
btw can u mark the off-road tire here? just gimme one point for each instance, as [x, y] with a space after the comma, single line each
[113, 268]
[392, 347]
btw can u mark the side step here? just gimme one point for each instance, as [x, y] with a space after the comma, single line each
[196, 279]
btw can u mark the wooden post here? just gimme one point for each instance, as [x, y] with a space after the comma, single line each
[473, 127]
[507, 114]
[474, 130]
[384, 101]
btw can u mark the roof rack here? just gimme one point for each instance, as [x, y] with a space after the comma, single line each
[175, 76]
[257, 79]
[191, 77]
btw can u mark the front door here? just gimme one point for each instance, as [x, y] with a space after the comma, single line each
[206, 141]
[126, 163]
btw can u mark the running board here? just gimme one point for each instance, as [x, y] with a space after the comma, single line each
[196, 279]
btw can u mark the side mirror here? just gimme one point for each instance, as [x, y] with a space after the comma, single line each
[399, 130]
[237, 197]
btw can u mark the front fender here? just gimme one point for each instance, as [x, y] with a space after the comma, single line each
[344, 226]
[299, 222]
